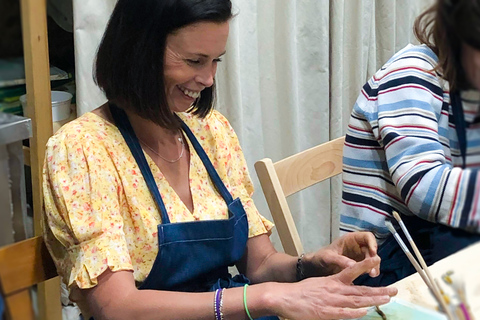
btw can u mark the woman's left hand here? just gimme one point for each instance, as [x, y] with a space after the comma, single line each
[342, 253]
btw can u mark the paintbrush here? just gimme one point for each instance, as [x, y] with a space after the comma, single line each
[415, 250]
[459, 287]
[410, 257]
[430, 284]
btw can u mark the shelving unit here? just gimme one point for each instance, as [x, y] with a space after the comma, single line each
[37, 72]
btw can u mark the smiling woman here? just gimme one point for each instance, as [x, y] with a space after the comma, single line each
[150, 233]
[191, 59]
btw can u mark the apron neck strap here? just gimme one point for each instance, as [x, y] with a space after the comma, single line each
[123, 124]
[460, 124]
[208, 165]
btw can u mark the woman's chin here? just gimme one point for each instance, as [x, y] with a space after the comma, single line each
[184, 108]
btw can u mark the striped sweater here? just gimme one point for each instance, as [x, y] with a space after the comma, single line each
[401, 150]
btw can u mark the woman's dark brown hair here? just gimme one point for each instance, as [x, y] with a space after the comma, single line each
[130, 58]
[444, 27]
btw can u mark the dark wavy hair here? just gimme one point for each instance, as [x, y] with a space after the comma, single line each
[444, 27]
[129, 63]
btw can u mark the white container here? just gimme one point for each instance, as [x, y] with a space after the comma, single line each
[60, 105]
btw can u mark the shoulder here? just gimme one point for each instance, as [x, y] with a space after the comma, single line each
[413, 55]
[88, 128]
[88, 138]
[409, 71]
[411, 64]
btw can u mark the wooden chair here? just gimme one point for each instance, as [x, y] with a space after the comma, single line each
[22, 265]
[290, 175]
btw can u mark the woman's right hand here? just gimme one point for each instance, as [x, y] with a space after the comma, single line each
[333, 297]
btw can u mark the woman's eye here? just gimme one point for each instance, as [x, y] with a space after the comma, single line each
[194, 62]
[217, 60]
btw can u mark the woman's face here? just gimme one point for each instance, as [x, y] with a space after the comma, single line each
[471, 64]
[191, 58]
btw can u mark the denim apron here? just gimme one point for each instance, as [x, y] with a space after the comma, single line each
[192, 256]
[435, 241]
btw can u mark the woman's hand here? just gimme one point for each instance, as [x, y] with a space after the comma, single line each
[342, 253]
[333, 297]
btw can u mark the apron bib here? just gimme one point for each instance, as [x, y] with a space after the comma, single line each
[192, 256]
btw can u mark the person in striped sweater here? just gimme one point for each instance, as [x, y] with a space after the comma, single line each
[413, 143]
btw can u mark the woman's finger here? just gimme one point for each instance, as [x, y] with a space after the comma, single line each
[333, 258]
[367, 239]
[329, 312]
[362, 300]
[351, 290]
[351, 273]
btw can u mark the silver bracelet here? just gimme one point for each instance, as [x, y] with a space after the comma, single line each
[221, 304]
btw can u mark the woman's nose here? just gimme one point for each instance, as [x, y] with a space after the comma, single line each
[206, 76]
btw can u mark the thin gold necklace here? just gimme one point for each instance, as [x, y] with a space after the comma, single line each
[182, 145]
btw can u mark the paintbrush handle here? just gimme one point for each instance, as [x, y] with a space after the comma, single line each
[415, 249]
[435, 293]
[459, 313]
[419, 270]
[423, 264]
[466, 307]
[425, 273]
[414, 262]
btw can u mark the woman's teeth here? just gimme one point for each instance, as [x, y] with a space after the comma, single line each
[191, 94]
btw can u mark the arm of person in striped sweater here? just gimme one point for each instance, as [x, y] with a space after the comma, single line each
[413, 125]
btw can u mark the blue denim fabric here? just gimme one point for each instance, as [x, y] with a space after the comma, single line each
[2, 307]
[192, 256]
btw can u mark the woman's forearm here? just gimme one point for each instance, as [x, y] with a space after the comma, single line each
[158, 305]
[115, 297]
[262, 263]
[278, 267]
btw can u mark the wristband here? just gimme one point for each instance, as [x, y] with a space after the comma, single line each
[221, 303]
[299, 269]
[245, 301]
[217, 304]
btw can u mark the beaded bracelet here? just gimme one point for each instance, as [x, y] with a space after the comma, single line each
[217, 304]
[245, 301]
[300, 272]
[221, 303]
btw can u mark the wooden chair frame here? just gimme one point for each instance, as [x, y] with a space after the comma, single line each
[290, 175]
[22, 265]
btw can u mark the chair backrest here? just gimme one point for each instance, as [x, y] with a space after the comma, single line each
[290, 175]
[22, 265]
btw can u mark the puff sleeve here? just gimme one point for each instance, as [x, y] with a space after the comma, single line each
[83, 223]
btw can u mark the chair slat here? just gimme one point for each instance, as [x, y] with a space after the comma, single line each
[311, 166]
[290, 175]
[24, 264]
[19, 306]
[279, 207]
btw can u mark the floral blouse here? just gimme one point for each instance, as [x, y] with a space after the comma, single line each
[99, 212]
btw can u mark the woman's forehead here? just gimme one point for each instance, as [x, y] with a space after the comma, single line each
[202, 38]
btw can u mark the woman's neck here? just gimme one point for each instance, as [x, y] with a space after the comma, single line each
[147, 131]
[152, 133]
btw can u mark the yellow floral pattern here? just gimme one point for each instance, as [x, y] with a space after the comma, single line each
[99, 213]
